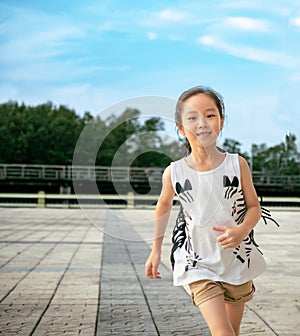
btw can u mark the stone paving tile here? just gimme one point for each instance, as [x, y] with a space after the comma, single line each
[275, 306]
[54, 280]
[131, 304]
[51, 274]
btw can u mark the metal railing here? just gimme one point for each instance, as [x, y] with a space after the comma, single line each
[285, 181]
[101, 173]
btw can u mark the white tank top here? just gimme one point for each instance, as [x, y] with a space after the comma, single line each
[211, 198]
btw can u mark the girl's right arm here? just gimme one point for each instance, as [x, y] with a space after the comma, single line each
[162, 213]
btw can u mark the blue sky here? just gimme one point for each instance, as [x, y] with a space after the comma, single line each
[90, 55]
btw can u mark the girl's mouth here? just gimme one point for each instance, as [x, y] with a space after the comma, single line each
[203, 134]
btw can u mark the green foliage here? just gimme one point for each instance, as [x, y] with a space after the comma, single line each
[46, 134]
[282, 159]
[233, 146]
[119, 131]
[41, 134]
[130, 142]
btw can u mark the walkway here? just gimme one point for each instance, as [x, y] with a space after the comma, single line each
[61, 275]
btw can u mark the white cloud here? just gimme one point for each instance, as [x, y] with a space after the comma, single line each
[59, 70]
[171, 15]
[295, 77]
[170, 37]
[237, 36]
[250, 52]
[175, 38]
[29, 35]
[246, 23]
[38, 45]
[269, 6]
[295, 21]
[207, 40]
[81, 97]
[165, 19]
[152, 36]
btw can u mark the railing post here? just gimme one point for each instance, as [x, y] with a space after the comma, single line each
[41, 199]
[130, 200]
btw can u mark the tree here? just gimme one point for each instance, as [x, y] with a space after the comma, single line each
[89, 140]
[46, 134]
[281, 159]
[131, 141]
[43, 134]
[233, 146]
[117, 134]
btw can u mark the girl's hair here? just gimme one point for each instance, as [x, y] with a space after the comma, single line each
[215, 96]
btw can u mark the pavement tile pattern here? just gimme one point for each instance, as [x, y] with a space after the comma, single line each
[61, 275]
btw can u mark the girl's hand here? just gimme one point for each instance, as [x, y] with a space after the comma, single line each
[151, 267]
[232, 235]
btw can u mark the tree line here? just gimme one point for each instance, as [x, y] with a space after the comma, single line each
[47, 134]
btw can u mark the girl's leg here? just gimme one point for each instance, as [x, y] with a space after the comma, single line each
[235, 313]
[216, 316]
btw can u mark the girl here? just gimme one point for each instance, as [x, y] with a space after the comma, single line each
[214, 251]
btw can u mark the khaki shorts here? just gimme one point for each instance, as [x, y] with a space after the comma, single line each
[204, 290]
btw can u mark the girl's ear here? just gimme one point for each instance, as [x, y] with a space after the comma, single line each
[222, 122]
[180, 128]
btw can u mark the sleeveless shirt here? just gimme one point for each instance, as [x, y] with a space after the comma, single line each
[211, 198]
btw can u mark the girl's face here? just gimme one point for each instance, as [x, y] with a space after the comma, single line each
[201, 122]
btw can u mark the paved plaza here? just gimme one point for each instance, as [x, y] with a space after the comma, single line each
[72, 272]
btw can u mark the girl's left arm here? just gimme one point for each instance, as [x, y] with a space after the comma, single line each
[233, 236]
[253, 213]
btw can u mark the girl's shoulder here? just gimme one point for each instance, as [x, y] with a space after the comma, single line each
[238, 159]
[232, 155]
[177, 163]
[234, 158]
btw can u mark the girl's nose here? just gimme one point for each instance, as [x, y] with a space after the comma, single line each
[202, 122]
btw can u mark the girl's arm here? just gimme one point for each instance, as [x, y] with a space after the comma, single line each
[162, 213]
[233, 236]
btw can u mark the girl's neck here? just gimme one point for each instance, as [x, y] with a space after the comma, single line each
[205, 159]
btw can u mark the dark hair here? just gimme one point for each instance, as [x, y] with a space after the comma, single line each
[215, 96]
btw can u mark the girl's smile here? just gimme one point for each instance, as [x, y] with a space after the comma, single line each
[201, 120]
[204, 134]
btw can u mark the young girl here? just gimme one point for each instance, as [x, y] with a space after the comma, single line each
[214, 251]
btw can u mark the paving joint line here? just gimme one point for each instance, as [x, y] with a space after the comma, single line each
[142, 289]
[263, 320]
[99, 290]
[18, 253]
[49, 242]
[8, 242]
[32, 268]
[57, 286]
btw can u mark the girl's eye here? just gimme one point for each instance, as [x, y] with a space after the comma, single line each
[210, 115]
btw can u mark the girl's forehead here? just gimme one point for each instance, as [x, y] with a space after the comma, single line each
[199, 102]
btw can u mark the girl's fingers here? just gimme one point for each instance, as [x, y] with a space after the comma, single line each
[155, 273]
[152, 272]
[219, 228]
